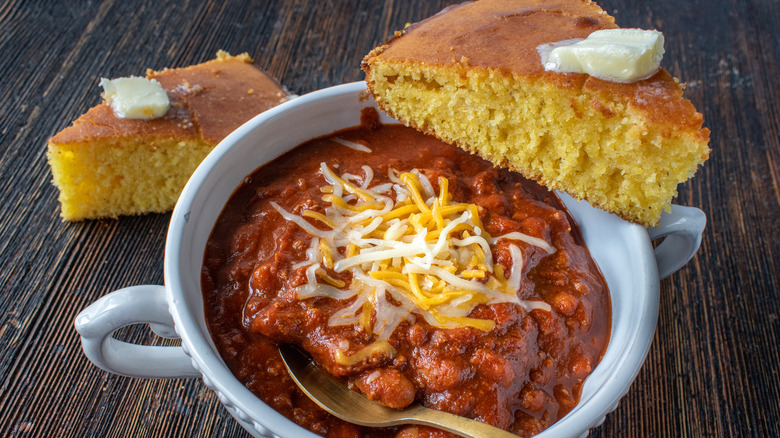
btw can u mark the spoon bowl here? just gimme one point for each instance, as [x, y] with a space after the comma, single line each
[355, 408]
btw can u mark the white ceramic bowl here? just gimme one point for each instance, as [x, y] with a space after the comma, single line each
[622, 250]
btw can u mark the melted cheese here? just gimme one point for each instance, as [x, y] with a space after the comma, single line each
[378, 347]
[429, 254]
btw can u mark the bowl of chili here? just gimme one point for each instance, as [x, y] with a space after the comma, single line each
[630, 264]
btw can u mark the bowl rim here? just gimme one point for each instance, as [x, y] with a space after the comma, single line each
[236, 397]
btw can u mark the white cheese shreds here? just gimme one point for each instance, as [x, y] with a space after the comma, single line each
[409, 251]
[381, 347]
[351, 144]
[541, 243]
[301, 222]
[517, 267]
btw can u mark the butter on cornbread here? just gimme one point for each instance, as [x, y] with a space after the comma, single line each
[107, 166]
[472, 76]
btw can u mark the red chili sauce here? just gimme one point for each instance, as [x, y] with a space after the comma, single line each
[522, 375]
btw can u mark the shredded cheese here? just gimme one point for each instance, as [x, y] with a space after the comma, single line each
[351, 144]
[429, 254]
[381, 347]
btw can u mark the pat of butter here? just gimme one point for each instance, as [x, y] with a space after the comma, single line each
[135, 98]
[617, 55]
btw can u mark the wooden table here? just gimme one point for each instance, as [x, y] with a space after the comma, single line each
[713, 366]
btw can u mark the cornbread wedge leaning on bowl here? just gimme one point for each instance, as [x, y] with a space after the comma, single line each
[472, 76]
[106, 166]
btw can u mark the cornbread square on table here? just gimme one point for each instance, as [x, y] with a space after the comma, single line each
[106, 166]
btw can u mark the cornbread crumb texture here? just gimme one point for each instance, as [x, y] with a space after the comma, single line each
[105, 166]
[471, 75]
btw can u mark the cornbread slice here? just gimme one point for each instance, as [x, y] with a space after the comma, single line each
[471, 75]
[105, 166]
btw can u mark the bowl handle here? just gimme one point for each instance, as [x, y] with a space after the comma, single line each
[682, 229]
[133, 305]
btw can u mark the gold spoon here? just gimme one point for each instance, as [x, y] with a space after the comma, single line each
[355, 408]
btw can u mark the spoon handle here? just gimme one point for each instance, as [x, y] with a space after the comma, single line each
[460, 426]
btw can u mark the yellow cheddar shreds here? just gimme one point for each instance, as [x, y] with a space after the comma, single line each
[402, 211]
[327, 258]
[335, 282]
[413, 183]
[365, 317]
[473, 273]
[318, 216]
[443, 194]
[498, 271]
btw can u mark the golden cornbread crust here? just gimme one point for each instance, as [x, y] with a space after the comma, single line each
[471, 75]
[105, 166]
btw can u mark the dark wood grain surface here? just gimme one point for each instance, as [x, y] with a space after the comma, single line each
[713, 366]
